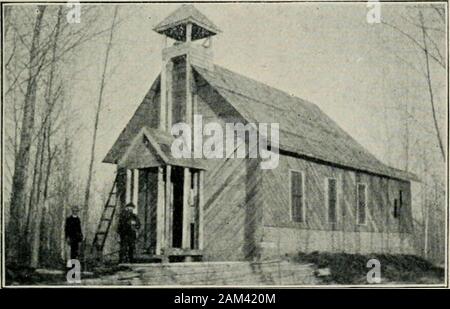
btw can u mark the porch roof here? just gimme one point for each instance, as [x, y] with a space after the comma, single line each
[151, 147]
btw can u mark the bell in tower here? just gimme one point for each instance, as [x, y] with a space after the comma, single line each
[187, 41]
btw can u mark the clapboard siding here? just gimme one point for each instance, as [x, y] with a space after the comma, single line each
[381, 192]
[380, 228]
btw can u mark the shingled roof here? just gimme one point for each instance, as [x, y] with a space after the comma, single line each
[304, 128]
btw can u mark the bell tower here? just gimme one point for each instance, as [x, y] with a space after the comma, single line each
[187, 41]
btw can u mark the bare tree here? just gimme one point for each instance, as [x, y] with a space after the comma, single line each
[435, 54]
[33, 97]
[50, 99]
[97, 116]
[18, 195]
[423, 30]
[430, 88]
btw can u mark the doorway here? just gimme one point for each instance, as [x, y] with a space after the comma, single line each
[177, 178]
[146, 208]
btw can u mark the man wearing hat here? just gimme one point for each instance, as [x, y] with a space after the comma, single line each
[73, 232]
[127, 227]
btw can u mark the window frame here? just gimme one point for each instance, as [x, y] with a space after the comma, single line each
[327, 199]
[365, 204]
[303, 212]
[398, 205]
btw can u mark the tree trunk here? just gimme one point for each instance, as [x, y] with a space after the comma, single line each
[44, 174]
[97, 116]
[65, 196]
[430, 89]
[17, 245]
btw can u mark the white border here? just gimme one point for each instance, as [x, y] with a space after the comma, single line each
[384, 286]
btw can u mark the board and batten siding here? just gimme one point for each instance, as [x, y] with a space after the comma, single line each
[380, 233]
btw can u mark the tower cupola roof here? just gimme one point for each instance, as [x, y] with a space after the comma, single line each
[174, 25]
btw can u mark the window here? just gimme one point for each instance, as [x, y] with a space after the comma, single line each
[396, 210]
[398, 203]
[331, 189]
[361, 202]
[297, 196]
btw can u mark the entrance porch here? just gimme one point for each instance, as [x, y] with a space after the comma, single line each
[168, 195]
[168, 203]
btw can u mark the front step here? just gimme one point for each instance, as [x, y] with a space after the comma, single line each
[213, 273]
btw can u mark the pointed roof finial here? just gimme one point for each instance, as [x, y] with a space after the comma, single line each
[174, 25]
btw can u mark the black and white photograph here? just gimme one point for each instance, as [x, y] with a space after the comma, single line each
[224, 144]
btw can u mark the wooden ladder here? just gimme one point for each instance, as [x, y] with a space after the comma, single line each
[106, 220]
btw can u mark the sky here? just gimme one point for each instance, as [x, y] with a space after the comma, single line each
[326, 53]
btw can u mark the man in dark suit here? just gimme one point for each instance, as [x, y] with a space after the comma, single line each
[127, 227]
[73, 232]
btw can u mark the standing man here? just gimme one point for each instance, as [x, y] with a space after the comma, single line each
[73, 232]
[127, 228]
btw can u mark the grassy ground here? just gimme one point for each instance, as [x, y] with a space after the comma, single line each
[352, 268]
[343, 269]
[19, 275]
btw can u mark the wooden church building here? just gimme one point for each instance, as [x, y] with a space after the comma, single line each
[328, 193]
